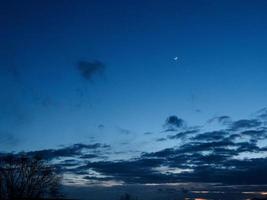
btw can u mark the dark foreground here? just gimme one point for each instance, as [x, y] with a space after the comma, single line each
[157, 192]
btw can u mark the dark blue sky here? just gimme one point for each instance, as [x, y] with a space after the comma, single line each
[111, 72]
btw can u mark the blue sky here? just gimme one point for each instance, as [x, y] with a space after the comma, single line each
[134, 83]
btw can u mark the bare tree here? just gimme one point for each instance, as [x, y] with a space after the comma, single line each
[24, 177]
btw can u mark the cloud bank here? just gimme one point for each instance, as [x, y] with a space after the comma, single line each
[233, 154]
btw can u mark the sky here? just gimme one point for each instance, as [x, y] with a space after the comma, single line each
[97, 84]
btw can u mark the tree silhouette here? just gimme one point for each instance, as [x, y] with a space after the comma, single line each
[24, 177]
[127, 196]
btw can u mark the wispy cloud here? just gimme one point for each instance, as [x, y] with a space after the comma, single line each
[76, 150]
[89, 69]
[124, 131]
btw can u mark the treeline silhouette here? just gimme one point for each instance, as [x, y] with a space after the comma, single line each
[23, 177]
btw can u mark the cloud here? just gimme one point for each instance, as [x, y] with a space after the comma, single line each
[183, 134]
[233, 154]
[173, 122]
[216, 156]
[262, 113]
[210, 136]
[245, 124]
[88, 69]
[217, 166]
[124, 131]
[70, 151]
[132, 171]
[255, 134]
[101, 126]
[161, 139]
[206, 146]
[89, 156]
[224, 120]
[148, 133]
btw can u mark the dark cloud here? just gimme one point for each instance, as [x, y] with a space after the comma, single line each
[216, 166]
[133, 171]
[224, 120]
[245, 124]
[161, 139]
[69, 163]
[89, 156]
[247, 147]
[206, 146]
[245, 172]
[160, 154]
[210, 136]
[211, 156]
[101, 126]
[255, 134]
[70, 151]
[89, 69]
[173, 122]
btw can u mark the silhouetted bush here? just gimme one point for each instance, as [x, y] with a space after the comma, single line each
[24, 177]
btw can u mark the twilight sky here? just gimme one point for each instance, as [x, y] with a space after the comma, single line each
[175, 88]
